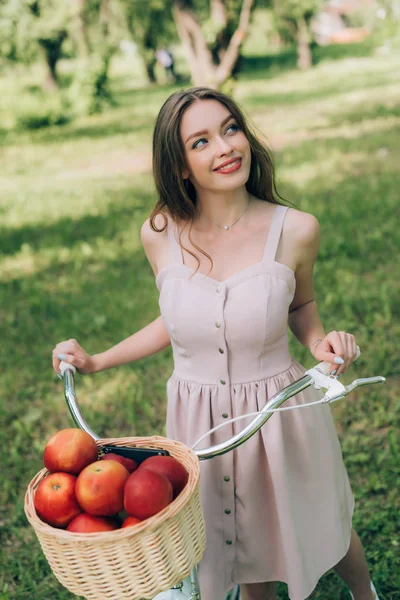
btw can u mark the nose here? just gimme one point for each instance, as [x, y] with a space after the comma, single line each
[222, 146]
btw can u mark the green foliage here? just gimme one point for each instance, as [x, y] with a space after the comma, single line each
[288, 14]
[297, 9]
[36, 111]
[90, 91]
[26, 24]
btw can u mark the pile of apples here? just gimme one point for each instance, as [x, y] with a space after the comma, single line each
[85, 493]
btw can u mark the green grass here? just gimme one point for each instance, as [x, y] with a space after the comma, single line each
[72, 202]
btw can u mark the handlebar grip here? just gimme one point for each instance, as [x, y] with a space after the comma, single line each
[64, 366]
[325, 367]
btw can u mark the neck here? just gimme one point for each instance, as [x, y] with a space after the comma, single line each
[225, 207]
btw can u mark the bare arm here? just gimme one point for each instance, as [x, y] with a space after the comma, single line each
[339, 348]
[145, 342]
[304, 320]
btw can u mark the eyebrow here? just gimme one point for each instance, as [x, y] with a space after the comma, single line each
[206, 130]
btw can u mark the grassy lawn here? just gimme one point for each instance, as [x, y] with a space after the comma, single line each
[72, 201]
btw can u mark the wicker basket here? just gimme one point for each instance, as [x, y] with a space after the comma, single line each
[133, 563]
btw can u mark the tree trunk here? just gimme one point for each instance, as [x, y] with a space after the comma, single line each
[202, 69]
[218, 13]
[150, 65]
[304, 56]
[80, 29]
[197, 51]
[52, 54]
[224, 70]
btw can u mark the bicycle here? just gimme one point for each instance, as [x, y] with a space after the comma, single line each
[317, 377]
[150, 538]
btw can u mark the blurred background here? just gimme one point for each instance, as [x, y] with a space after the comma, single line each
[81, 84]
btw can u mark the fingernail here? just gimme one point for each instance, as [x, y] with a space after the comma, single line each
[334, 372]
[59, 376]
[339, 376]
[64, 356]
[338, 360]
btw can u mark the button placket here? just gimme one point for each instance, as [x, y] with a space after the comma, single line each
[224, 405]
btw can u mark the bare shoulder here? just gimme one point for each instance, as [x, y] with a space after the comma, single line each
[302, 227]
[154, 241]
[148, 235]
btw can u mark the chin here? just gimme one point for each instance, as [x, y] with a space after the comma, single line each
[233, 182]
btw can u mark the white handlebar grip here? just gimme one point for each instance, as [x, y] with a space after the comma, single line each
[65, 367]
[325, 367]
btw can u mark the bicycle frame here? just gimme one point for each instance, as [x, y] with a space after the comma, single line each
[317, 377]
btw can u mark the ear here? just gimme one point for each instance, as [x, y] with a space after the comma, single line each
[185, 174]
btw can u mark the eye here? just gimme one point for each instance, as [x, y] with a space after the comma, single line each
[198, 143]
[232, 128]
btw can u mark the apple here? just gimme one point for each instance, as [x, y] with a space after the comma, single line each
[171, 468]
[85, 523]
[100, 488]
[55, 501]
[146, 493]
[69, 450]
[129, 464]
[129, 521]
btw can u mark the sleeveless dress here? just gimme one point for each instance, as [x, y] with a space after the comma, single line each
[279, 507]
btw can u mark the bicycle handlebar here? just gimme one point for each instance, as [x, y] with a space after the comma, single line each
[317, 377]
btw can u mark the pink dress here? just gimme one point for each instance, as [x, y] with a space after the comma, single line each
[278, 508]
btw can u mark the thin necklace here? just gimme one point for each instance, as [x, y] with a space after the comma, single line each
[226, 227]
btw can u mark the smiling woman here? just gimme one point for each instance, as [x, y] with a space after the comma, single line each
[218, 204]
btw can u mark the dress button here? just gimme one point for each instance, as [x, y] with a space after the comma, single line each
[220, 350]
[228, 542]
[227, 511]
[223, 381]
[218, 289]
[225, 415]
[227, 478]
[217, 324]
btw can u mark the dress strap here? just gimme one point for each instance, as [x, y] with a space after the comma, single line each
[173, 241]
[274, 234]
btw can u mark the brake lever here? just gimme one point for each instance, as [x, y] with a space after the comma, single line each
[364, 381]
[330, 395]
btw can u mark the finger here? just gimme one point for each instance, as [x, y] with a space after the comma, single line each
[336, 342]
[72, 359]
[344, 340]
[56, 365]
[351, 348]
[328, 353]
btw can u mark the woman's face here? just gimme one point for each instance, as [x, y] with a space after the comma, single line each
[217, 152]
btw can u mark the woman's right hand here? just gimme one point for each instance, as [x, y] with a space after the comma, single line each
[71, 352]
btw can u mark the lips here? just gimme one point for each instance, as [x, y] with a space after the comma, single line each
[232, 164]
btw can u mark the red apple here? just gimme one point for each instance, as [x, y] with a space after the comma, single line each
[146, 493]
[100, 488]
[69, 450]
[171, 468]
[129, 464]
[129, 521]
[85, 523]
[55, 501]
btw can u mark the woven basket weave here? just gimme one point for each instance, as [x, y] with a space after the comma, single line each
[133, 563]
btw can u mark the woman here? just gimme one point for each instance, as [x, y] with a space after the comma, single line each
[234, 266]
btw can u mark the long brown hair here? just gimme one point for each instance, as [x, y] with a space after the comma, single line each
[178, 195]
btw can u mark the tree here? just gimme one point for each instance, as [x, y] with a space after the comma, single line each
[212, 51]
[150, 23]
[29, 25]
[295, 16]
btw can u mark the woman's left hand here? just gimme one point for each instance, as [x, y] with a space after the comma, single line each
[338, 348]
